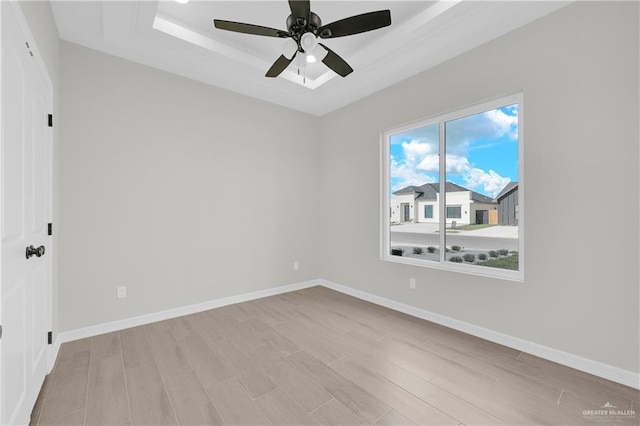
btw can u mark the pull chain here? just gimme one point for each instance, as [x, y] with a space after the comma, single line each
[304, 71]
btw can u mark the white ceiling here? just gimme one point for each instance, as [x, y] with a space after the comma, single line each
[181, 39]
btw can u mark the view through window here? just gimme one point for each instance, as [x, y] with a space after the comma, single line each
[459, 211]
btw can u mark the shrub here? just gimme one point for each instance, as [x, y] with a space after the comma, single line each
[482, 256]
[469, 257]
[396, 252]
[504, 262]
[456, 248]
[417, 250]
[456, 259]
[493, 253]
[503, 252]
[431, 249]
[446, 250]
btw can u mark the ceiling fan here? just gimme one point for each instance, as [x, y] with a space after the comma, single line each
[304, 28]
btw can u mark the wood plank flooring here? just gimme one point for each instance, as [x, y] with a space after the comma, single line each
[314, 357]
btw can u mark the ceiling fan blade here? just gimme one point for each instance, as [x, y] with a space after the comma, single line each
[336, 63]
[279, 65]
[240, 27]
[300, 8]
[356, 24]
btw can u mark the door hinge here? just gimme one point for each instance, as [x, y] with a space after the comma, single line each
[50, 337]
[0, 332]
[50, 229]
[50, 120]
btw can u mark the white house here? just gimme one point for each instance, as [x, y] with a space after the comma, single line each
[421, 204]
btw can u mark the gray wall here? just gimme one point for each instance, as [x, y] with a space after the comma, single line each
[507, 208]
[183, 192]
[578, 69]
[41, 22]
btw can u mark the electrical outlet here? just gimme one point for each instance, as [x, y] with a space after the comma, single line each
[412, 283]
[296, 265]
[122, 292]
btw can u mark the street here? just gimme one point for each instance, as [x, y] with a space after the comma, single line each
[468, 242]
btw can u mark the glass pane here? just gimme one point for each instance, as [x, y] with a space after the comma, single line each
[413, 198]
[428, 211]
[454, 212]
[482, 189]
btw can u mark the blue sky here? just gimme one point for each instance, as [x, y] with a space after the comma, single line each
[482, 152]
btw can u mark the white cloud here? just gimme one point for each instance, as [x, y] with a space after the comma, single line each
[406, 174]
[473, 132]
[415, 150]
[503, 124]
[457, 165]
[406, 171]
[430, 163]
[420, 163]
[490, 182]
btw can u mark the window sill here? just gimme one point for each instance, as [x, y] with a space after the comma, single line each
[480, 271]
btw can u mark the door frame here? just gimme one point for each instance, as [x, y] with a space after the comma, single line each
[14, 8]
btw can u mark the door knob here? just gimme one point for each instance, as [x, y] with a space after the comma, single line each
[32, 251]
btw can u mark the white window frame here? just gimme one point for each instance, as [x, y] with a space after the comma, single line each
[385, 228]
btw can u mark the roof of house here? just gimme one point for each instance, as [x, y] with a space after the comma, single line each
[506, 190]
[408, 190]
[429, 191]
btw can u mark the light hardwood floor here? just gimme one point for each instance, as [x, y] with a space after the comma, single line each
[314, 356]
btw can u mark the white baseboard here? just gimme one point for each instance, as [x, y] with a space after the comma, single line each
[596, 368]
[53, 354]
[95, 330]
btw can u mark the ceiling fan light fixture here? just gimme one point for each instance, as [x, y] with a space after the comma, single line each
[311, 58]
[182, 1]
[308, 42]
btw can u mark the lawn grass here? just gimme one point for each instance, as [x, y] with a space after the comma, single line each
[507, 262]
[472, 227]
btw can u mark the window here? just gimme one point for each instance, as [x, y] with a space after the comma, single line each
[454, 212]
[463, 166]
[428, 211]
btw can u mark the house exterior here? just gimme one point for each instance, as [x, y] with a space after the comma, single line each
[507, 201]
[421, 204]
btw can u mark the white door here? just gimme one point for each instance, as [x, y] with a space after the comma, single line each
[25, 209]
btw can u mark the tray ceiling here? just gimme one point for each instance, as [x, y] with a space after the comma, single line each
[180, 38]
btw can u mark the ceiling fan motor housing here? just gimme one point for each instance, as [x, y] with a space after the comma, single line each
[298, 26]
